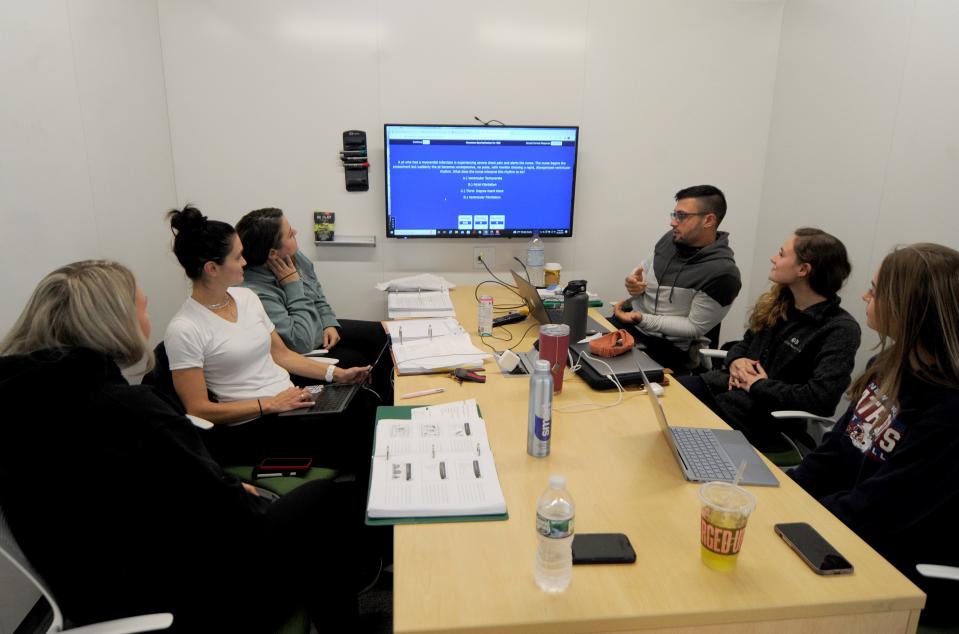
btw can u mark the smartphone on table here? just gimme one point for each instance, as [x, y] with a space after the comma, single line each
[813, 549]
[602, 548]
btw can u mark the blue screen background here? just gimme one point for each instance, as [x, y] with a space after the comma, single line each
[430, 199]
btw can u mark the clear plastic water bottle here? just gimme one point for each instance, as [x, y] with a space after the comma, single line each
[536, 260]
[539, 425]
[555, 513]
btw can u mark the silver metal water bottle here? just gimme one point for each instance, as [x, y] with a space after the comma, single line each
[540, 425]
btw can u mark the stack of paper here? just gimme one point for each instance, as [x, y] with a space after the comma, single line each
[419, 304]
[413, 329]
[439, 354]
[438, 464]
[423, 282]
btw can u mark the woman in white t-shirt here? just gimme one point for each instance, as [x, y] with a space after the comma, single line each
[221, 341]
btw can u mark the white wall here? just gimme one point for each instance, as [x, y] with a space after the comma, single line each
[864, 141]
[668, 95]
[85, 163]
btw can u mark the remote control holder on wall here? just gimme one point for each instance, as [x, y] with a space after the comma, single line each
[355, 160]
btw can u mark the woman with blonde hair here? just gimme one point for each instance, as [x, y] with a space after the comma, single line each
[798, 352]
[888, 468]
[115, 500]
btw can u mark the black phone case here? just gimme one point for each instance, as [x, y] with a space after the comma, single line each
[602, 548]
[843, 566]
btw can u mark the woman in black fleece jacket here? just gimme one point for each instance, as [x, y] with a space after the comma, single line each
[799, 350]
[115, 500]
[888, 469]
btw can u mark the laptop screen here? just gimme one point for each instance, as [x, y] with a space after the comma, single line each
[535, 303]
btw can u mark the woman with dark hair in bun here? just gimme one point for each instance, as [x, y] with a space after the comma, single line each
[222, 341]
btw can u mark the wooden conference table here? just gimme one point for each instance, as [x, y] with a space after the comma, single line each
[477, 577]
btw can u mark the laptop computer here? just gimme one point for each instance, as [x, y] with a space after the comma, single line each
[624, 367]
[707, 455]
[538, 309]
[544, 316]
[333, 398]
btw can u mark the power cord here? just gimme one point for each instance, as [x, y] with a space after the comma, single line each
[525, 270]
[488, 122]
[589, 406]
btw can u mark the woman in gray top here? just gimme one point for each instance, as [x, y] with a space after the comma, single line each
[286, 283]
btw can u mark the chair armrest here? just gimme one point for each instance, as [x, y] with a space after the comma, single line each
[130, 625]
[202, 423]
[938, 572]
[713, 353]
[795, 413]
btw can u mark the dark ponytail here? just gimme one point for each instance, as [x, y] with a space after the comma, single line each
[198, 240]
[259, 231]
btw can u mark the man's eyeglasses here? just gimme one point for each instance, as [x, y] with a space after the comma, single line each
[680, 216]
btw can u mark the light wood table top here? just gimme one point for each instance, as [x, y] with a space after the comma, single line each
[478, 577]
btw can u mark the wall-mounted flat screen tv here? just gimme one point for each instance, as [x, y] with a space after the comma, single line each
[468, 181]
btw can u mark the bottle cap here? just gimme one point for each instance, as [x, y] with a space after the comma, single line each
[542, 365]
[557, 482]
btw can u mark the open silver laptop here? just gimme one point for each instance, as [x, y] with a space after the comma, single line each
[707, 455]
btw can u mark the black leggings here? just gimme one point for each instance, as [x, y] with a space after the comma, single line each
[311, 553]
[339, 441]
[360, 342]
[763, 431]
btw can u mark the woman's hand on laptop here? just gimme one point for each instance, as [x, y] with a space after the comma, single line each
[289, 399]
[351, 375]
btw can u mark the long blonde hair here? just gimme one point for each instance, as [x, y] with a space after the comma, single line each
[829, 267]
[916, 310]
[90, 304]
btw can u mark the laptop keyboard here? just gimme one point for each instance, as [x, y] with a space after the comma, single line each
[703, 454]
[330, 398]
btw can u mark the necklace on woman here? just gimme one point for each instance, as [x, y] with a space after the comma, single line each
[229, 298]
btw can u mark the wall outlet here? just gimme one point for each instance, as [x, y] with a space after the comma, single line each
[484, 254]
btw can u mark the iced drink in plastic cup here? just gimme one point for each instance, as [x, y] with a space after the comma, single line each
[722, 523]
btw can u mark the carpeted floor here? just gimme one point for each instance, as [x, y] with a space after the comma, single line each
[376, 605]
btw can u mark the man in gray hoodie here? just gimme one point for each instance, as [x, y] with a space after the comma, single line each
[685, 289]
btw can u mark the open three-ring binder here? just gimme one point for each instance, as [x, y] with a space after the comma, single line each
[433, 464]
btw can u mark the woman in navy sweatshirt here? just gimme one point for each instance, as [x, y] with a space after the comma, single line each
[889, 467]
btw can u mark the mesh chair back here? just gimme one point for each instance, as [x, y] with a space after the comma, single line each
[10, 549]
